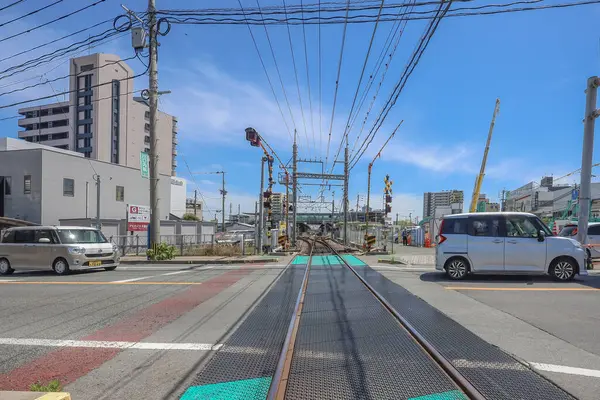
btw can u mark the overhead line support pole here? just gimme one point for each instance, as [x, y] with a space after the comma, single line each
[294, 188]
[346, 178]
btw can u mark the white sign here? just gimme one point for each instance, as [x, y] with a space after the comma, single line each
[138, 217]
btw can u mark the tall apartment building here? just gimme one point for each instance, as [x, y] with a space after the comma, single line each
[278, 206]
[447, 198]
[101, 119]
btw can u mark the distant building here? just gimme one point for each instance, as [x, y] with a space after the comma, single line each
[178, 196]
[194, 207]
[101, 120]
[278, 206]
[454, 199]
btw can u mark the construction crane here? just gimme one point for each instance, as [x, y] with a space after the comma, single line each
[479, 178]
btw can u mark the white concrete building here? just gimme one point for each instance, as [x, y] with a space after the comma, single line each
[44, 185]
[101, 119]
[447, 198]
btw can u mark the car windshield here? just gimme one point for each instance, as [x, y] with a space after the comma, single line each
[80, 236]
[568, 231]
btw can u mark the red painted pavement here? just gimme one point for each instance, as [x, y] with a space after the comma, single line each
[69, 364]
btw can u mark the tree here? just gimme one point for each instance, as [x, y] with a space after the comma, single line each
[190, 217]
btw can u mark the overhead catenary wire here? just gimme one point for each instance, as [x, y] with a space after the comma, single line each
[398, 30]
[51, 21]
[278, 73]
[297, 82]
[262, 62]
[337, 82]
[415, 58]
[312, 124]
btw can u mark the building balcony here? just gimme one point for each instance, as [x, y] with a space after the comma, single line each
[44, 131]
[48, 118]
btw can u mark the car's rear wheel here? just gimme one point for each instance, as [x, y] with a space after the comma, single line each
[61, 266]
[457, 268]
[563, 269]
[110, 268]
[5, 268]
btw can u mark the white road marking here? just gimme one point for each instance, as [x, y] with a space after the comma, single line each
[110, 345]
[9, 280]
[562, 369]
[165, 274]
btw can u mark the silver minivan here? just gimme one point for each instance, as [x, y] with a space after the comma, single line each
[505, 242]
[58, 248]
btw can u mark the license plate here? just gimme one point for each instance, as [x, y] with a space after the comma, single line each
[95, 263]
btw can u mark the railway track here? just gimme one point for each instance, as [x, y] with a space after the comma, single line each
[321, 247]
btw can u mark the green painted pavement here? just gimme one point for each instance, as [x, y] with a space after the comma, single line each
[353, 260]
[300, 260]
[256, 388]
[451, 395]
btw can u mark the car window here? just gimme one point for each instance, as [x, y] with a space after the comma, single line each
[484, 226]
[521, 226]
[24, 236]
[9, 237]
[568, 231]
[44, 234]
[454, 226]
[81, 236]
[594, 230]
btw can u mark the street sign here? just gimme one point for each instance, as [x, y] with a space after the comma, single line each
[138, 218]
[144, 164]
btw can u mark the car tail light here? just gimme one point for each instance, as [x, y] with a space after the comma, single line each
[441, 238]
[574, 232]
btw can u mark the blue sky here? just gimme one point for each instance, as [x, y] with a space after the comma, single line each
[537, 63]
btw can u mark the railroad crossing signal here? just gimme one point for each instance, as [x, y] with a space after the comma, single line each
[388, 194]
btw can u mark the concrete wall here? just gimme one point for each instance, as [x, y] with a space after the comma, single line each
[16, 164]
[178, 196]
[56, 206]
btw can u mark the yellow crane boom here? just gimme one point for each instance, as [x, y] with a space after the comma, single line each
[479, 178]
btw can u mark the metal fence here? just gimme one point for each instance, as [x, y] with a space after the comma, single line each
[185, 244]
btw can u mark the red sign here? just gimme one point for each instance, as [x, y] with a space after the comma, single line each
[138, 218]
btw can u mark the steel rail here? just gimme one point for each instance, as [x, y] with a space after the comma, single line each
[450, 370]
[277, 389]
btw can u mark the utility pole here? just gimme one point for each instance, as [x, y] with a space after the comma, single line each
[230, 210]
[153, 105]
[585, 197]
[261, 205]
[195, 200]
[223, 193]
[346, 178]
[97, 179]
[294, 188]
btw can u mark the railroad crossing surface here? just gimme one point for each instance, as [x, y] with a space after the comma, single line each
[320, 325]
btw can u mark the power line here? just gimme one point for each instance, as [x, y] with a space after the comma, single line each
[52, 21]
[386, 17]
[70, 91]
[416, 57]
[66, 76]
[337, 82]
[320, 87]
[262, 62]
[198, 187]
[11, 5]
[297, 82]
[30, 13]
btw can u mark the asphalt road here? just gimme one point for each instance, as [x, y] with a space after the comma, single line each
[135, 333]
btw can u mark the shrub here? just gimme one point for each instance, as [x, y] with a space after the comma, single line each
[52, 386]
[161, 251]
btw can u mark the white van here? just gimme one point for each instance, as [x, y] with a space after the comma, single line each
[507, 242]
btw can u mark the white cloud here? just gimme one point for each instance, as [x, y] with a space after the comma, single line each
[437, 158]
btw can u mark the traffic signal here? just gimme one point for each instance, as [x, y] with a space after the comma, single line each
[253, 137]
[388, 194]
[267, 200]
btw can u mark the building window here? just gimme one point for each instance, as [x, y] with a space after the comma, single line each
[146, 127]
[147, 114]
[146, 139]
[120, 193]
[87, 67]
[68, 187]
[7, 185]
[116, 119]
[27, 184]
[146, 150]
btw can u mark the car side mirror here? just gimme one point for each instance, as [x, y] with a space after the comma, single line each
[541, 236]
[44, 240]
